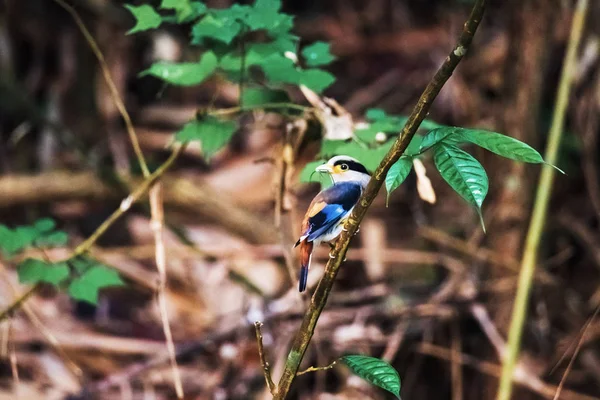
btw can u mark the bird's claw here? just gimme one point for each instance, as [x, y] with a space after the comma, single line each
[331, 255]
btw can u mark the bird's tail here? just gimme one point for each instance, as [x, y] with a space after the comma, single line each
[306, 249]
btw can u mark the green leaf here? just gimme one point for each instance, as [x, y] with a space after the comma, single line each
[500, 144]
[462, 172]
[445, 134]
[224, 29]
[145, 16]
[184, 74]
[397, 174]
[267, 5]
[213, 134]
[14, 240]
[308, 174]
[52, 239]
[260, 96]
[316, 79]
[265, 15]
[375, 114]
[86, 286]
[33, 271]
[44, 225]
[414, 146]
[278, 68]
[317, 54]
[374, 371]
[184, 9]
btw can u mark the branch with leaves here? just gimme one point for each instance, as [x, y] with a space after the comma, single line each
[319, 299]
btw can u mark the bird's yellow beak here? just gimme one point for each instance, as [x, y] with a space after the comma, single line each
[324, 168]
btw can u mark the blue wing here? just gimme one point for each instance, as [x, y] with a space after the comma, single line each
[328, 208]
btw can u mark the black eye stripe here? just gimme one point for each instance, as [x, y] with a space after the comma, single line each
[352, 165]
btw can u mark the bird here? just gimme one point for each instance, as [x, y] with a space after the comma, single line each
[327, 213]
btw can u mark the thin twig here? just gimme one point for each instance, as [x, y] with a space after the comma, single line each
[540, 207]
[265, 106]
[263, 358]
[315, 369]
[572, 360]
[110, 83]
[14, 367]
[491, 369]
[325, 285]
[86, 245]
[157, 224]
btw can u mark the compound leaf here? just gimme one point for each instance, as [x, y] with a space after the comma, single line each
[318, 53]
[212, 132]
[33, 271]
[96, 277]
[184, 74]
[221, 26]
[145, 16]
[260, 96]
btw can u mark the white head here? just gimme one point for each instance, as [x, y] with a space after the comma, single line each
[345, 169]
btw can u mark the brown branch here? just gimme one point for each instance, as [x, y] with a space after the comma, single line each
[323, 289]
[263, 358]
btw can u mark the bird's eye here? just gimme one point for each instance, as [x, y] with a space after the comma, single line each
[344, 167]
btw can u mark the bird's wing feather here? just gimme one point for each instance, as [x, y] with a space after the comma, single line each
[328, 207]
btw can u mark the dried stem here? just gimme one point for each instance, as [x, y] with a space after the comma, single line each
[540, 207]
[263, 358]
[323, 289]
[157, 224]
[577, 348]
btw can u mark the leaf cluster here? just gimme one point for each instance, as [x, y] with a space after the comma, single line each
[252, 45]
[237, 41]
[82, 277]
[457, 167]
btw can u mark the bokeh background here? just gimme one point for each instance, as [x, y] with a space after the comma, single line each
[423, 286]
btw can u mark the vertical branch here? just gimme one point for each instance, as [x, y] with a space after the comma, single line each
[540, 208]
[325, 285]
[263, 358]
[156, 208]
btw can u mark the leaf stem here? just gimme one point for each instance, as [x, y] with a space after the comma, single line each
[319, 299]
[265, 106]
[540, 207]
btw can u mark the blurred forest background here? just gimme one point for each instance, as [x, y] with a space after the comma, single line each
[423, 287]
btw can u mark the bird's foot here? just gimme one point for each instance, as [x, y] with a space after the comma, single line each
[332, 256]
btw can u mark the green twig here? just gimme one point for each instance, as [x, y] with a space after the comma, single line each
[540, 207]
[265, 106]
[315, 369]
[323, 289]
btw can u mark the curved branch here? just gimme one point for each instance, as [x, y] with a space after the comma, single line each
[418, 114]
